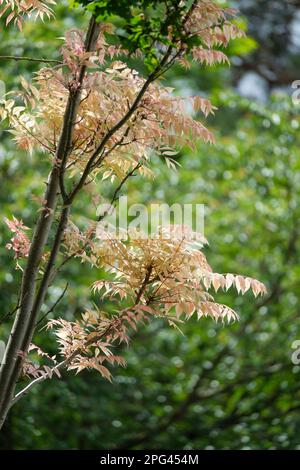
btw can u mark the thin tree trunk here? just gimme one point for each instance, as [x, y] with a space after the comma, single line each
[29, 304]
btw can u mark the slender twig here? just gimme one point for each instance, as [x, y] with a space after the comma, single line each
[53, 306]
[118, 189]
[144, 284]
[31, 59]
[9, 314]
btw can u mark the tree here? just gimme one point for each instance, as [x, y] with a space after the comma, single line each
[97, 118]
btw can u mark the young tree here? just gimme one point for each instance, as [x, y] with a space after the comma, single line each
[96, 118]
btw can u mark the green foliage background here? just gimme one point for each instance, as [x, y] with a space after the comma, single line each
[223, 387]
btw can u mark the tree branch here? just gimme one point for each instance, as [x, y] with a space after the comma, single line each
[31, 59]
[118, 189]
